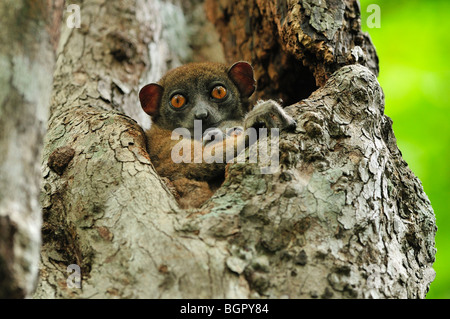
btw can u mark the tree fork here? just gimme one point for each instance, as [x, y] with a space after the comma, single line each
[344, 217]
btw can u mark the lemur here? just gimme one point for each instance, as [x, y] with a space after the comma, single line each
[215, 97]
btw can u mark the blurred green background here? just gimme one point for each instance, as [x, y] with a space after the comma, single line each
[413, 44]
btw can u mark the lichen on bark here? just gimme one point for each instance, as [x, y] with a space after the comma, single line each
[343, 217]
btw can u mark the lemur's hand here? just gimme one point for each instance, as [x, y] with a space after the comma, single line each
[269, 114]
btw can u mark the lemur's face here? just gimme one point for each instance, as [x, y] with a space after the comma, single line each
[203, 93]
[207, 92]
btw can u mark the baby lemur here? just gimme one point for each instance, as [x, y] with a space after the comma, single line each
[209, 104]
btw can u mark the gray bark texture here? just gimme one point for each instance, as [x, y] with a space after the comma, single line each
[342, 217]
[29, 31]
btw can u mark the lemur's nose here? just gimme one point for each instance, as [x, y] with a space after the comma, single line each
[201, 114]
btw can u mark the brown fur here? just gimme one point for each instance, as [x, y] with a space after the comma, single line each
[194, 182]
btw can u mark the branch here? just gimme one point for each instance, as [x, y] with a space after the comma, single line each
[27, 59]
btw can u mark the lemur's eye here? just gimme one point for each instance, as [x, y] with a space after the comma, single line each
[219, 92]
[178, 101]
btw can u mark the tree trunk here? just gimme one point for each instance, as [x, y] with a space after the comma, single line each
[28, 33]
[294, 46]
[342, 216]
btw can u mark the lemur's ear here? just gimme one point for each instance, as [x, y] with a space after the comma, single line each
[242, 75]
[150, 97]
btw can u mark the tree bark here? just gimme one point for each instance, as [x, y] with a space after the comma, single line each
[342, 216]
[28, 33]
[295, 46]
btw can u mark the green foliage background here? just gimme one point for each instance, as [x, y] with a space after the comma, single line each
[413, 44]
